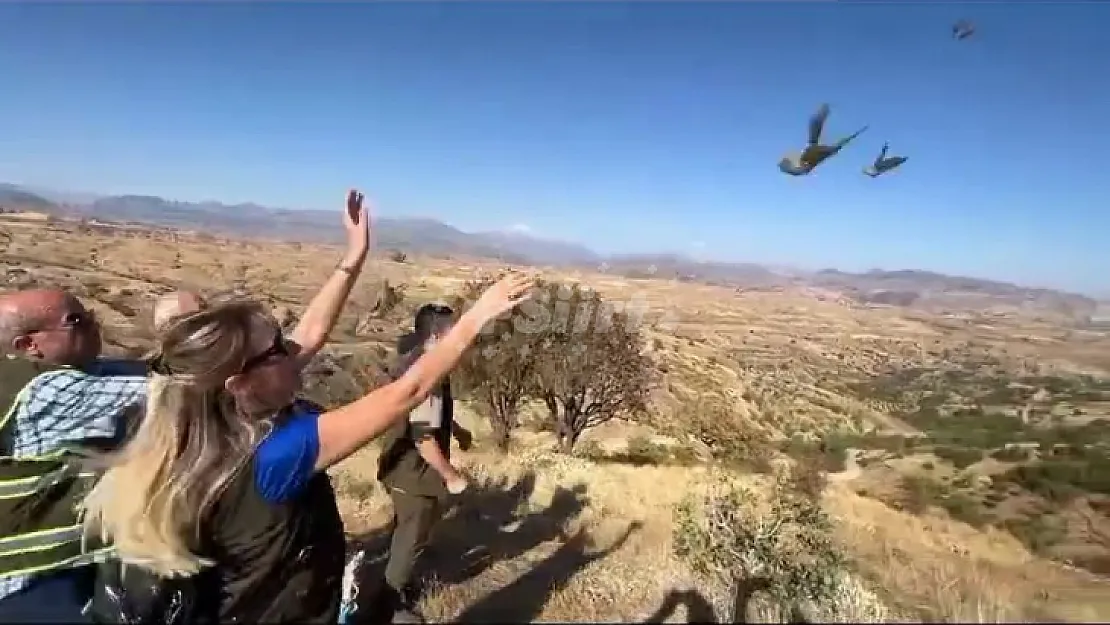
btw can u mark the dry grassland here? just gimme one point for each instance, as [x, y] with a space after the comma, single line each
[551, 537]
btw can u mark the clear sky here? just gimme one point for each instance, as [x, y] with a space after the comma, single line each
[627, 127]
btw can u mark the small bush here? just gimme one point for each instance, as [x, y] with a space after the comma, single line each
[641, 451]
[1038, 533]
[919, 493]
[1011, 454]
[964, 508]
[1063, 479]
[960, 457]
[724, 539]
[829, 455]
[734, 537]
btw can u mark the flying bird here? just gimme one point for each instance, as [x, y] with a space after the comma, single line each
[883, 163]
[962, 30]
[800, 164]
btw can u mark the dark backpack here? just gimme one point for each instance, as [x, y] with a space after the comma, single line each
[132, 595]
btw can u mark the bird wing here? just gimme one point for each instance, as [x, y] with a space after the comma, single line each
[817, 124]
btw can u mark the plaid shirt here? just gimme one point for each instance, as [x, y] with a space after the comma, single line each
[68, 406]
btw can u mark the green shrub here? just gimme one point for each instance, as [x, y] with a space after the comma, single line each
[1011, 454]
[727, 538]
[920, 492]
[1062, 479]
[960, 457]
[1038, 533]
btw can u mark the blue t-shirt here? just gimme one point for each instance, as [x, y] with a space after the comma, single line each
[286, 460]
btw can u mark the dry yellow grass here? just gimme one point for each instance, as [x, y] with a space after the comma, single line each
[555, 547]
[910, 568]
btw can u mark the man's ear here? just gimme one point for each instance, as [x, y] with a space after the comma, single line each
[23, 344]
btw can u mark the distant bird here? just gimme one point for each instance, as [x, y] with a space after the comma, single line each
[883, 163]
[800, 164]
[962, 30]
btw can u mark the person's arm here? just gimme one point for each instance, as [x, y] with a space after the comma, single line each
[424, 421]
[323, 311]
[347, 429]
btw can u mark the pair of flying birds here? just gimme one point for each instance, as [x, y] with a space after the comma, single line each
[815, 152]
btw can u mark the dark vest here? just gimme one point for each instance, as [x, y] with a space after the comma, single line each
[400, 465]
[15, 374]
[39, 530]
[275, 563]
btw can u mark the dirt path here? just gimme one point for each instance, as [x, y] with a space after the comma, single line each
[851, 471]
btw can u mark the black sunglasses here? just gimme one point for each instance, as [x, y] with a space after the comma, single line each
[277, 348]
[73, 321]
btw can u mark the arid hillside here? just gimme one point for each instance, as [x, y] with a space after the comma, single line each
[863, 463]
[923, 290]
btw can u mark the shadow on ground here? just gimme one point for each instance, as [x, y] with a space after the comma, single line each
[700, 610]
[522, 600]
[494, 522]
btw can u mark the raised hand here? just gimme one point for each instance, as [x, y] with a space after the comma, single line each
[356, 221]
[504, 295]
[457, 484]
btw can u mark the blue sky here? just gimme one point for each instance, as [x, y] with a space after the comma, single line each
[627, 127]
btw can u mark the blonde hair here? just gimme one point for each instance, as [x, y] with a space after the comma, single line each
[175, 304]
[161, 486]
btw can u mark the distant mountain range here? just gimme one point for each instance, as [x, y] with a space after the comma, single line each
[421, 235]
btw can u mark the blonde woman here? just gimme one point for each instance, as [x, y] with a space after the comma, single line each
[225, 477]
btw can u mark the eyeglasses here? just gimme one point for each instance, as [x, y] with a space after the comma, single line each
[72, 321]
[277, 348]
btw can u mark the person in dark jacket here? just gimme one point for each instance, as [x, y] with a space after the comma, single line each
[815, 153]
[225, 478]
[415, 467]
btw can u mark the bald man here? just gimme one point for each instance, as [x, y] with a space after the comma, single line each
[49, 326]
[174, 304]
[57, 394]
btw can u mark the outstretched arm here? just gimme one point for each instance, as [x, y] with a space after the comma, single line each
[345, 430]
[319, 318]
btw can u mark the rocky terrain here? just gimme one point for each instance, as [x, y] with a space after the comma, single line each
[967, 446]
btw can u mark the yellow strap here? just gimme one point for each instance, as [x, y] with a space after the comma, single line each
[92, 557]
